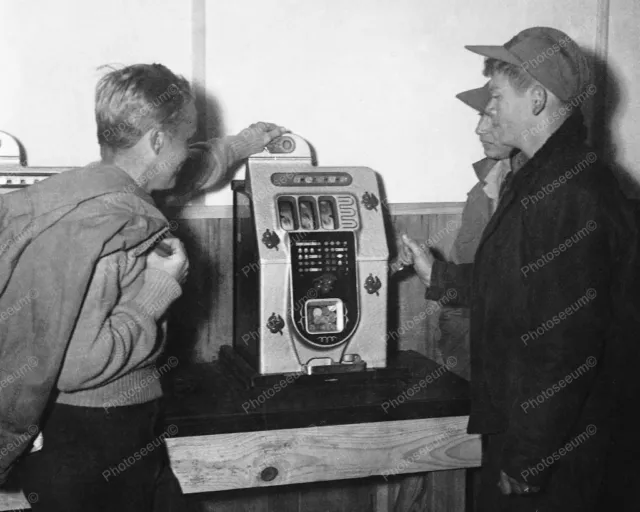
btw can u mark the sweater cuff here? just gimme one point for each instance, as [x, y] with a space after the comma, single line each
[239, 148]
[158, 292]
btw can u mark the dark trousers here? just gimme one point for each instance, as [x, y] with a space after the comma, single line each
[574, 486]
[97, 460]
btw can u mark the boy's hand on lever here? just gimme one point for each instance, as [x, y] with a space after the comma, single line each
[176, 264]
[422, 260]
[257, 136]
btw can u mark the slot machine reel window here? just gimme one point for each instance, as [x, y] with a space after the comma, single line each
[287, 213]
[307, 211]
[328, 217]
[306, 215]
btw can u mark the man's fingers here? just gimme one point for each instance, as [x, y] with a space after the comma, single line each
[516, 486]
[412, 245]
[404, 259]
[274, 134]
[277, 131]
[503, 484]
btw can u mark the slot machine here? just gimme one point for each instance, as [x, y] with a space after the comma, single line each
[310, 265]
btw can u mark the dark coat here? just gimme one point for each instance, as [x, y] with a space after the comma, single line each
[550, 294]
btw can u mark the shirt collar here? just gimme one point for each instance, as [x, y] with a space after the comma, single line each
[495, 177]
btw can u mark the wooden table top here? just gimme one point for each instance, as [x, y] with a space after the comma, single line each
[204, 399]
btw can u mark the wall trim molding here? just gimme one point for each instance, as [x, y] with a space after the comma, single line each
[199, 63]
[226, 211]
[601, 50]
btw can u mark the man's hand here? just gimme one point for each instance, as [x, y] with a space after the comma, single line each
[257, 136]
[510, 485]
[176, 264]
[413, 254]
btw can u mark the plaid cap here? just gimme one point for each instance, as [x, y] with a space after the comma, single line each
[477, 99]
[548, 55]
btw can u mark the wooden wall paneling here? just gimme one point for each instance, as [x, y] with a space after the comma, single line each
[202, 319]
[349, 495]
[383, 497]
[446, 490]
[246, 500]
[221, 326]
[438, 231]
[285, 499]
[190, 316]
[339, 496]
[410, 291]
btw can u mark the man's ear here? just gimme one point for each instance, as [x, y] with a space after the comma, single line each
[157, 139]
[539, 99]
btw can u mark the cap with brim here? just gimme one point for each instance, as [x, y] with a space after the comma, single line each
[495, 52]
[548, 55]
[477, 99]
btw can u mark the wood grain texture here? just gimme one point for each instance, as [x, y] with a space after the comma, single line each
[203, 316]
[235, 461]
[13, 500]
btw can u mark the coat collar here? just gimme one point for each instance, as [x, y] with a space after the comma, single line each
[570, 134]
[483, 167]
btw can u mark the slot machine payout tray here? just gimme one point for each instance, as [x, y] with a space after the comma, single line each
[347, 375]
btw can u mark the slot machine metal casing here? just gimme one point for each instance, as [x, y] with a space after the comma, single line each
[14, 174]
[308, 300]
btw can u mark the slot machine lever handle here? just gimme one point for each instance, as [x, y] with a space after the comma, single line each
[395, 267]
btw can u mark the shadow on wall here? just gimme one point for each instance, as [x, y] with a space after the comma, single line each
[189, 317]
[601, 112]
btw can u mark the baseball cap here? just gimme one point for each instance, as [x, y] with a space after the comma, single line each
[477, 99]
[548, 55]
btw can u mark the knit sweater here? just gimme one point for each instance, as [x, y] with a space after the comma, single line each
[111, 357]
[52, 236]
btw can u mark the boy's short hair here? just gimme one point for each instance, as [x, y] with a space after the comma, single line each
[519, 79]
[132, 100]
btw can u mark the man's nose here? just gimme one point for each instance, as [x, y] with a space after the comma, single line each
[483, 125]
